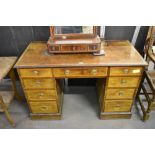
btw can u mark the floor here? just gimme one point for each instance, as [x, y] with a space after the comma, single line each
[80, 111]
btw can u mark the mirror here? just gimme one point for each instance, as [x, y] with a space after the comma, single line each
[76, 32]
[73, 29]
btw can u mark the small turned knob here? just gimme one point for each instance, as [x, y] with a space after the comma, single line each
[94, 71]
[126, 71]
[74, 48]
[53, 48]
[67, 72]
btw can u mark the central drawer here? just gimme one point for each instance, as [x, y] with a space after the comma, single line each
[80, 72]
[117, 106]
[120, 93]
[123, 81]
[39, 83]
[41, 94]
[44, 107]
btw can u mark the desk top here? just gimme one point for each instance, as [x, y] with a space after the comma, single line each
[117, 53]
[6, 63]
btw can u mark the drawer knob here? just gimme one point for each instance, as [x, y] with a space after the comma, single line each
[126, 71]
[74, 48]
[94, 47]
[36, 72]
[67, 72]
[53, 48]
[94, 71]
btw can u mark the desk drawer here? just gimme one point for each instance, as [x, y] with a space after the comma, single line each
[123, 81]
[36, 72]
[41, 94]
[41, 83]
[125, 71]
[120, 93]
[80, 72]
[68, 48]
[117, 105]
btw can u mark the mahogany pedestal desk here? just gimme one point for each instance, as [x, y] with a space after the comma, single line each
[119, 73]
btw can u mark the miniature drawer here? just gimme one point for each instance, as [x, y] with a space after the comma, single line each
[44, 108]
[41, 94]
[54, 48]
[123, 81]
[37, 83]
[36, 72]
[94, 47]
[80, 72]
[117, 105]
[125, 71]
[120, 93]
[68, 48]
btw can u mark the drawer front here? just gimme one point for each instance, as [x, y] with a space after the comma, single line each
[36, 72]
[43, 103]
[39, 83]
[54, 48]
[41, 94]
[94, 47]
[117, 105]
[123, 81]
[80, 72]
[120, 93]
[125, 71]
[67, 48]
[44, 109]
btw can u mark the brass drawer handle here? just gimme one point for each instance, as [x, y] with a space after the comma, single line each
[41, 94]
[43, 108]
[94, 71]
[38, 82]
[123, 81]
[36, 72]
[94, 47]
[126, 71]
[120, 93]
[67, 72]
[118, 105]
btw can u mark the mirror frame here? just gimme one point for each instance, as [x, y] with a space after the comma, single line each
[73, 35]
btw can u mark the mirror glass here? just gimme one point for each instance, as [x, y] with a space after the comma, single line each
[73, 29]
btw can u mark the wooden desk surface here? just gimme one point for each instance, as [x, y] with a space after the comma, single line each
[118, 53]
[6, 63]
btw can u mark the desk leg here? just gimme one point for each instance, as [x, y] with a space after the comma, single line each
[8, 116]
[13, 79]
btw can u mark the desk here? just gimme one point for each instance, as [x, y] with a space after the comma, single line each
[119, 73]
[6, 96]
